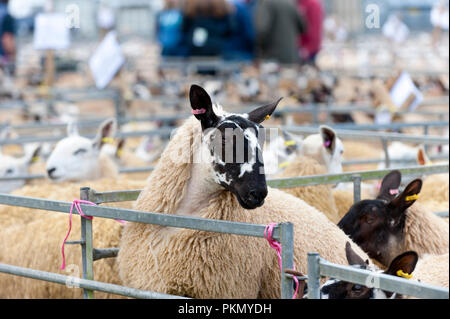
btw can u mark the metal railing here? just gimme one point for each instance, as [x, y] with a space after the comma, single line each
[319, 267]
[283, 232]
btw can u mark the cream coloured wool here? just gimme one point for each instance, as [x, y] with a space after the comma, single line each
[211, 265]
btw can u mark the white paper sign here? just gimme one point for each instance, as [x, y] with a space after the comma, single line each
[383, 117]
[106, 60]
[402, 90]
[395, 29]
[50, 32]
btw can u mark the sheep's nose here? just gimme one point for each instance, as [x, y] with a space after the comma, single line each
[255, 196]
[51, 171]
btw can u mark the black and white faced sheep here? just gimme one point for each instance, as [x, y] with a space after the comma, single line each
[204, 264]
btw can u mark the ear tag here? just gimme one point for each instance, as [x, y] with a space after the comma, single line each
[402, 274]
[327, 143]
[393, 191]
[284, 164]
[267, 117]
[119, 153]
[109, 140]
[290, 143]
[412, 197]
[198, 111]
[34, 159]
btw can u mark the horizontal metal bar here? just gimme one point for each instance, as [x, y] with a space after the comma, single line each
[348, 177]
[371, 136]
[382, 281]
[84, 283]
[392, 160]
[104, 253]
[344, 134]
[212, 225]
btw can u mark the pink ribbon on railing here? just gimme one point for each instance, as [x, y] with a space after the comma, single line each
[76, 203]
[268, 231]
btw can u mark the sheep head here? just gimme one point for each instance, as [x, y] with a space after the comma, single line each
[77, 158]
[339, 289]
[232, 146]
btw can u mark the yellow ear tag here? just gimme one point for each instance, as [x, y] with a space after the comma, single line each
[402, 274]
[109, 140]
[412, 197]
[34, 159]
[267, 117]
[284, 164]
[119, 153]
[290, 143]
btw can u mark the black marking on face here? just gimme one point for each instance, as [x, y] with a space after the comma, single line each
[236, 148]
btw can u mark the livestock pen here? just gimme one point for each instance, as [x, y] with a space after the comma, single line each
[283, 233]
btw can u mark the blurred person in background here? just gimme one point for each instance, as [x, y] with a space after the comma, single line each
[439, 18]
[7, 38]
[241, 45]
[278, 25]
[169, 29]
[310, 41]
[208, 26]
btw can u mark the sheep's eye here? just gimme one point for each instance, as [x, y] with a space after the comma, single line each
[356, 288]
[79, 151]
[9, 171]
[370, 219]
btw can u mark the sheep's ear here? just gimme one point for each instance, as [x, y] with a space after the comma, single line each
[390, 185]
[263, 112]
[72, 128]
[107, 130]
[32, 153]
[422, 158]
[352, 257]
[328, 138]
[4, 132]
[119, 149]
[405, 262]
[202, 107]
[408, 197]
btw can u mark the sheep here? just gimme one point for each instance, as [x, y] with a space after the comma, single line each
[77, 158]
[384, 228]
[432, 269]
[39, 235]
[318, 196]
[435, 189]
[202, 264]
[325, 147]
[16, 166]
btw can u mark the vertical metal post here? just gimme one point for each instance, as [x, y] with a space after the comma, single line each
[356, 188]
[287, 259]
[313, 276]
[387, 159]
[86, 246]
[425, 132]
[315, 114]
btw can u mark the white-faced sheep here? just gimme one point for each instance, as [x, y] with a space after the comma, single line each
[385, 228]
[16, 166]
[213, 265]
[435, 188]
[318, 196]
[77, 158]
